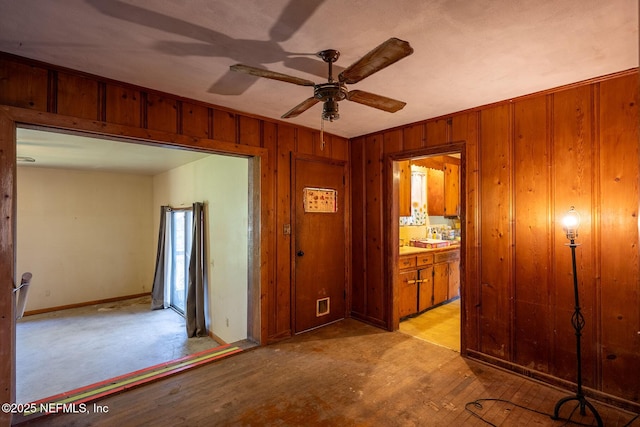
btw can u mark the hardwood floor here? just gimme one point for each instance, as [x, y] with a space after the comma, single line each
[440, 325]
[344, 374]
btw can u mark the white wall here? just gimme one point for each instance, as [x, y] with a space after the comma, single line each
[222, 184]
[84, 235]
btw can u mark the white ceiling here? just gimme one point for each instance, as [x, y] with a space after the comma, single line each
[466, 53]
[66, 151]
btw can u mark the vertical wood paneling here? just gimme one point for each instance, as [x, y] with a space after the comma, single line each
[376, 295]
[122, 105]
[591, 162]
[7, 266]
[531, 216]
[339, 148]
[573, 186]
[358, 228]
[282, 297]
[437, 133]
[269, 193]
[495, 160]
[77, 96]
[465, 128]
[392, 141]
[304, 141]
[162, 113]
[413, 136]
[195, 120]
[620, 287]
[249, 131]
[224, 126]
[22, 85]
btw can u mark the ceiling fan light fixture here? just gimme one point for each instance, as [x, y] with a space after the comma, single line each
[333, 91]
[330, 110]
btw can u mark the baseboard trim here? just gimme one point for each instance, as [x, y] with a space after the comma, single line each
[556, 382]
[217, 338]
[83, 304]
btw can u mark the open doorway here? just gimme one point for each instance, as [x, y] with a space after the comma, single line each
[87, 225]
[427, 237]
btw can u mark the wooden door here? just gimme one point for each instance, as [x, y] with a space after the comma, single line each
[319, 251]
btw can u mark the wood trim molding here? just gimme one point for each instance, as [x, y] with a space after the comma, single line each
[83, 304]
[11, 117]
[569, 386]
[7, 263]
[390, 233]
[129, 133]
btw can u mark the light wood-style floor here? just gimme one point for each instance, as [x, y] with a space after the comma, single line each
[440, 325]
[344, 374]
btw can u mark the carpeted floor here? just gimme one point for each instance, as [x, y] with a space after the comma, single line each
[67, 349]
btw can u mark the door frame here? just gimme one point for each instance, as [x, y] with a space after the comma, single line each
[347, 231]
[391, 228]
[259, 209]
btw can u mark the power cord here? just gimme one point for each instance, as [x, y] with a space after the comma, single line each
[478, 404]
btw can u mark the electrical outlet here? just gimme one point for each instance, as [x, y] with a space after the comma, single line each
[47, 293]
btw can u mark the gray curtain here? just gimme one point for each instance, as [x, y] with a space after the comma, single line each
[195, 307]
[157, 291]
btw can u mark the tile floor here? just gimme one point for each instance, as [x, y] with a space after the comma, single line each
[440, 325]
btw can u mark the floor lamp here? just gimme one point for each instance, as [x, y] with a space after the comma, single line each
[571, 222]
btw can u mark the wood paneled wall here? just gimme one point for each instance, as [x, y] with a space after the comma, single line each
[528, 160]
[72, 95]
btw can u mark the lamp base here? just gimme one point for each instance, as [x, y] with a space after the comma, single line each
[583, 402]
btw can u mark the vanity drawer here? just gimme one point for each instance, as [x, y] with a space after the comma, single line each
[424, 259]
[447, 256]
[407, 262]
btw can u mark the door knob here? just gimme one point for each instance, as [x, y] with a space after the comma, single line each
[300, 253]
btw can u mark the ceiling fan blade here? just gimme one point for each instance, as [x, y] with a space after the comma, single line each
[260, 72]
[382, 56]
[301, 108]
[376, 101]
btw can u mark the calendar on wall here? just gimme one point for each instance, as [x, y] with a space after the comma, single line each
[320, 200]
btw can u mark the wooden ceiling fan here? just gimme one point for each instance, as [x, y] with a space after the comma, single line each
[333, 91]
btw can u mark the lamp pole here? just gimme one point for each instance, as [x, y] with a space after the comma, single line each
[571, 223]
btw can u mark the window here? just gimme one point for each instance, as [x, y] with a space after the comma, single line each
[178, 254]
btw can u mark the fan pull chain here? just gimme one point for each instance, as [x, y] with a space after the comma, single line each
[321, 133]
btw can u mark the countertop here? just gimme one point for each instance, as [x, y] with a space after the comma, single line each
[412, 250]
